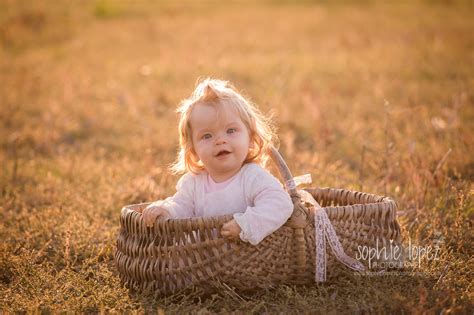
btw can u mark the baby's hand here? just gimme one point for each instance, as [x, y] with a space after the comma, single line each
[231, 230]
[152, 212]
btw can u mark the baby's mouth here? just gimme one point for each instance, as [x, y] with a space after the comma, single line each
[222, 153]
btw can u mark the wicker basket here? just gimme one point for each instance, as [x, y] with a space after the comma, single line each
[178, 253]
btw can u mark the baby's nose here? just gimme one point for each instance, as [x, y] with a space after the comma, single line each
[221, 140]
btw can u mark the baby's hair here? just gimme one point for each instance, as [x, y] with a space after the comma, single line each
[222, 93]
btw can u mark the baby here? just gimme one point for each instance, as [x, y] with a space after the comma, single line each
[224, 145]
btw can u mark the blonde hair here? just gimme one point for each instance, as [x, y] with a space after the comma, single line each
[222, 93]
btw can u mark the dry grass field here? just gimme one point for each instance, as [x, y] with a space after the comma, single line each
[367, 96]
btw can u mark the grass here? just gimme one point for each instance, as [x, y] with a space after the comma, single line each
[369, 96]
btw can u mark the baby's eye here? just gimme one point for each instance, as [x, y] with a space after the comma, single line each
[231, 130]
[206, 136]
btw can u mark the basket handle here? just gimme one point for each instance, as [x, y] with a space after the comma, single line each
[285, 172]
[299, 217]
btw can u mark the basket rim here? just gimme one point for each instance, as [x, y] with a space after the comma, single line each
[212, 220]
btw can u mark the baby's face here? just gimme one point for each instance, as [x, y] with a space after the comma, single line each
[220, 139]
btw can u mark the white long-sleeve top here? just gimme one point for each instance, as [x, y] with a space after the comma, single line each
[256, 199]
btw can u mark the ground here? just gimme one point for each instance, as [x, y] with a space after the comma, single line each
[366, 95]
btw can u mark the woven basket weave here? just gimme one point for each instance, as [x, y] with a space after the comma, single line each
[177, 253]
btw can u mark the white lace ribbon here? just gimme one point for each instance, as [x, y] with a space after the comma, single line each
[298, 180]
[323, 230]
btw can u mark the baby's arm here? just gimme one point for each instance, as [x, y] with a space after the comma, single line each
[272, 208]
[180, 205]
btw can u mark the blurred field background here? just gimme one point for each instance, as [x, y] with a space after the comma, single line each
[367, 95]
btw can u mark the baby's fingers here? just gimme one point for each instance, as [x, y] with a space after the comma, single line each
[224, 230]
[152, 213]
[227, 233]
[149, 216]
